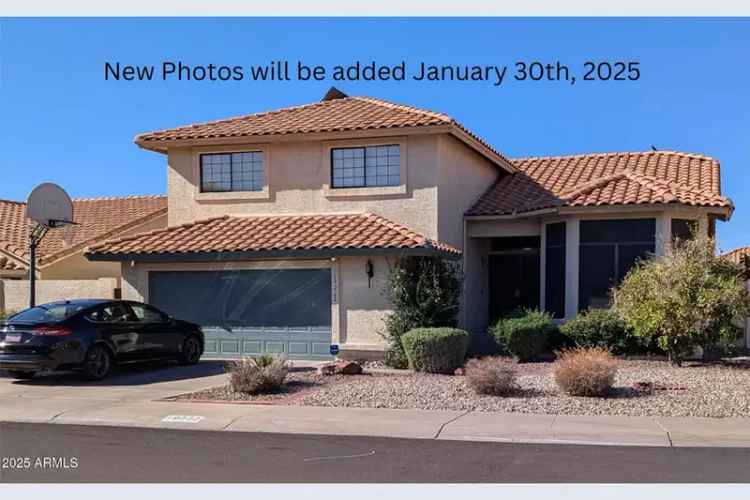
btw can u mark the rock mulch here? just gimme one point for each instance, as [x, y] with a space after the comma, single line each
[693, 390]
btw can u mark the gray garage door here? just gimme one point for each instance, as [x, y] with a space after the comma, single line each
[249, 312]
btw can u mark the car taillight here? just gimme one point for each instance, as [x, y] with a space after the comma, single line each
[51, 331]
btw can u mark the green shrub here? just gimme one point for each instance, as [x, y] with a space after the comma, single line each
[602, 328]
[424, 292]
[527, 337]
[685, 299]
[435, 350]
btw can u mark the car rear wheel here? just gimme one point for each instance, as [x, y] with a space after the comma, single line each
[98, 363]
[190, 353]
[22, 375]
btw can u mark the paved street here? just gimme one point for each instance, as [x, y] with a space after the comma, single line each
[105, 454]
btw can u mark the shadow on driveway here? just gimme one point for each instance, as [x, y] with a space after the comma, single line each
[135, 374]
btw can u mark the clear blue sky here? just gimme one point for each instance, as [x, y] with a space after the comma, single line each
[60, 121]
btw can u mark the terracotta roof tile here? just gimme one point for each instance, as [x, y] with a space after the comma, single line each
[10, 264]
[605, 179]
[97, 218]
[336, 115]
[739, 255]
[274, 233]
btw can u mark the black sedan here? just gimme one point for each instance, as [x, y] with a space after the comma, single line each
[92, 335]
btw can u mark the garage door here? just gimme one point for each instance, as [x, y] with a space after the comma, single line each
[249, 312]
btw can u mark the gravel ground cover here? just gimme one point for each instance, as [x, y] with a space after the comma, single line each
[693, 390]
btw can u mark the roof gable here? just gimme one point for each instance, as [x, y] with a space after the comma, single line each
[339, 114]
[654, 177]
[96, 218]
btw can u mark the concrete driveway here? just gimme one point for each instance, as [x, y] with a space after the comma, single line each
[49, 395]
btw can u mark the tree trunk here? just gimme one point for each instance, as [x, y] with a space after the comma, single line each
[674, 358]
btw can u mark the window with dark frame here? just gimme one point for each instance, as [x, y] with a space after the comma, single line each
[684, 229]
[608, 250]
[369, 166]
[224, 172]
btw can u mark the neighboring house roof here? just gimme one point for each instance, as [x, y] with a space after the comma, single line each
[334, 114]
[8, 263]
[334, 234]
[653, 177]
[96, 218]
[739, 255]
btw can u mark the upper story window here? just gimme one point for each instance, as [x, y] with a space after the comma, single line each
[370, 166]
[222, 172]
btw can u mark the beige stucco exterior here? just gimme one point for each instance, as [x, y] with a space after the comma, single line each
[441, 177]
[298, 173]
[14, 294]
[358, 307]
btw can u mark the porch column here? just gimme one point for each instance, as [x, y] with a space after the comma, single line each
[543, 268]
[663, 233]
[572, 240]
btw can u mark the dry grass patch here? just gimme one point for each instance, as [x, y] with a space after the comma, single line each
[491, 375]
[585, 371]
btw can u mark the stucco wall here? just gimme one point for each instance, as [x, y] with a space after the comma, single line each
[464, 177]
[297, 173]
[357, 313]
[363, 306]
[15, 293]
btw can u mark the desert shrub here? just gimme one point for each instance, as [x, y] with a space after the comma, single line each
[602, 328]
[526, 337]
[424, 293]
[585, 371]
[491, 375]
[259, 375]
[264, 360]
[685, 299]
[435, 350]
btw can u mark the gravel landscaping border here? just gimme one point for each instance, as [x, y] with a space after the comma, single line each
[694, 390]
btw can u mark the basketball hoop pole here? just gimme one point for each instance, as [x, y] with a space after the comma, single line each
[34, 238]
[49, 206]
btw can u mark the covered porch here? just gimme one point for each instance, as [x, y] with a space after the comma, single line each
[562, 261]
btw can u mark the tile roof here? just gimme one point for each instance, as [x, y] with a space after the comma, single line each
[10, 264]
[272, 233]
[97, 218]
[333, 115]
[605, 179]
[738, 255]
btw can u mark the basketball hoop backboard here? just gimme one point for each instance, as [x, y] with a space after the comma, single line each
[49, 205]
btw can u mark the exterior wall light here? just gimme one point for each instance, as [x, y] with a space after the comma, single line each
[370, 270]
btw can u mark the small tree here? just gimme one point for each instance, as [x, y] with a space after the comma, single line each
[424, 292]
[685, 299]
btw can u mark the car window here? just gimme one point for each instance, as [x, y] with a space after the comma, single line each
[47, 312]
[146, 314]
[111, 313]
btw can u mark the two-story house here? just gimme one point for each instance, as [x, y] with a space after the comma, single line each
[283, 225]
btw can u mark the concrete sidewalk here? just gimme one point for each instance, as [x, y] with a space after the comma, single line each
[135, 401]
